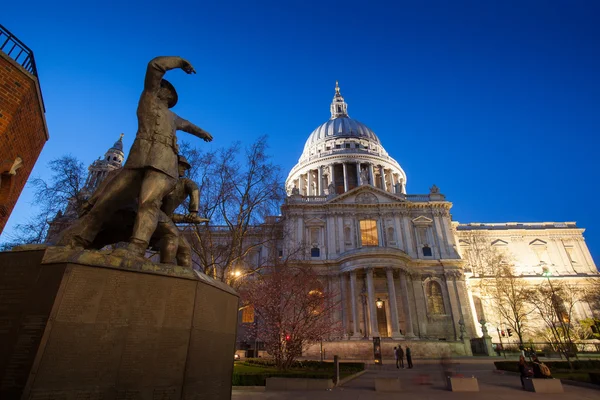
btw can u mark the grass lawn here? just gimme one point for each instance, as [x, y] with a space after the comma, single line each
[248, 374]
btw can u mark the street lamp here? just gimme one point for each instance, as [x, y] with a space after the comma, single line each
[379, 303]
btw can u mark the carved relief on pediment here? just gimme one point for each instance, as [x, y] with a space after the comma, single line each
[366, 198]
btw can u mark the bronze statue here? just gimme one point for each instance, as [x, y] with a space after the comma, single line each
[173, 245]
[167, 238]
[150, 172]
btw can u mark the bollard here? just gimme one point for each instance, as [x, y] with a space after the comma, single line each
[336, 364]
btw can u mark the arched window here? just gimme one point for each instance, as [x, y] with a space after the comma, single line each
[248, 314]
[368, 232]
[435, 300]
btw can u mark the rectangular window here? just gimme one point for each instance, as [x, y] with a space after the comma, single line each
[248, 315]
[368, 232]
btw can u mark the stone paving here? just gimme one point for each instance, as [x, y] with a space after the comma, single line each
[492, 385]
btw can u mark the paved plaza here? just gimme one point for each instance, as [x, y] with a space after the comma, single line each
[492, 385]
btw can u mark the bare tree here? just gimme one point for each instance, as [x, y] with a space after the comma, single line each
[498, 283]
[64, 190]
[241, 193]
[555, 304]
[509, 294]
[293, 309]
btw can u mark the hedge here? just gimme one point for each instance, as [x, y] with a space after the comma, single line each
[301, 369]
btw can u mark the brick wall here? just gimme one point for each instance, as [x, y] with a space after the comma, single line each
[23, 131]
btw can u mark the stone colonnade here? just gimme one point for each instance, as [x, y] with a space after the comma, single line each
[367, 301]
[315, 182]
[359, 305]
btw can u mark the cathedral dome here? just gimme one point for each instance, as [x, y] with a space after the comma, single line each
[343, 153]
[342, 127]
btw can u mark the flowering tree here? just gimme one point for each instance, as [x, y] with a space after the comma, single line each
[292, 309]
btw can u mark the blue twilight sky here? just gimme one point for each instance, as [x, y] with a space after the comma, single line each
[496, 102]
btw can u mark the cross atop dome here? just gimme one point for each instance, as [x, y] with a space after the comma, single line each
[339, 108]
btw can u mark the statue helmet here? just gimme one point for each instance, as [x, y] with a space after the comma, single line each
[167, 85]
[182, 160]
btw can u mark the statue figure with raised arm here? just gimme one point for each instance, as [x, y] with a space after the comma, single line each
[150, 172]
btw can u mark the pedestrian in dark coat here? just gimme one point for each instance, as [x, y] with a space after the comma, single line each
[409, 357]
[400, 357]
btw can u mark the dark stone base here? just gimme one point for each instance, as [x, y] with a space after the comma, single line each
[79, 325]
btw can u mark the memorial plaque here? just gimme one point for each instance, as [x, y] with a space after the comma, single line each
[81, 300]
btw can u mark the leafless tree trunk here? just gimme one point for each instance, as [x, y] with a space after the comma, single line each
[241, 193]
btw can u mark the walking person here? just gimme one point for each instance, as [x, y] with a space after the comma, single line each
[400, 359]
[396, 357]
[524, 370]
[409, 357]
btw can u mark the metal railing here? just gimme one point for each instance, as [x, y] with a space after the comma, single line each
[17, 50]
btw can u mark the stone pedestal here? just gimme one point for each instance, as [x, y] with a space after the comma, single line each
[462, 384]
[387, 385]
[81, 324]
[543, 385]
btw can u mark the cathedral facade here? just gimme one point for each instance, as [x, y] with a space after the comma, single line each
[398, 260]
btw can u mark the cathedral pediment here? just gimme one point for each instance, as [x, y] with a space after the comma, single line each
[421, 219]
[537, 242]
[366, 194]
[314, 222]
[499, 242]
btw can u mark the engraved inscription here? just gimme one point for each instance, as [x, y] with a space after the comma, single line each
[82, 296]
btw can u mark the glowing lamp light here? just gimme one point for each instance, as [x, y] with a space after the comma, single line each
[237, 273]
[379, 303]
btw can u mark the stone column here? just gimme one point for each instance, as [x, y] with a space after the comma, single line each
[343, 305]
[331, 174]
[309, 180]
[319, 181]
[405, 303]
[393, 304]
[410, 247]
[382, 173]
[399, 234]
[371, 175]
[345, 178]
[454, 307]
[355, 333]
[371, 300]
[358, 183]
[439, 235]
